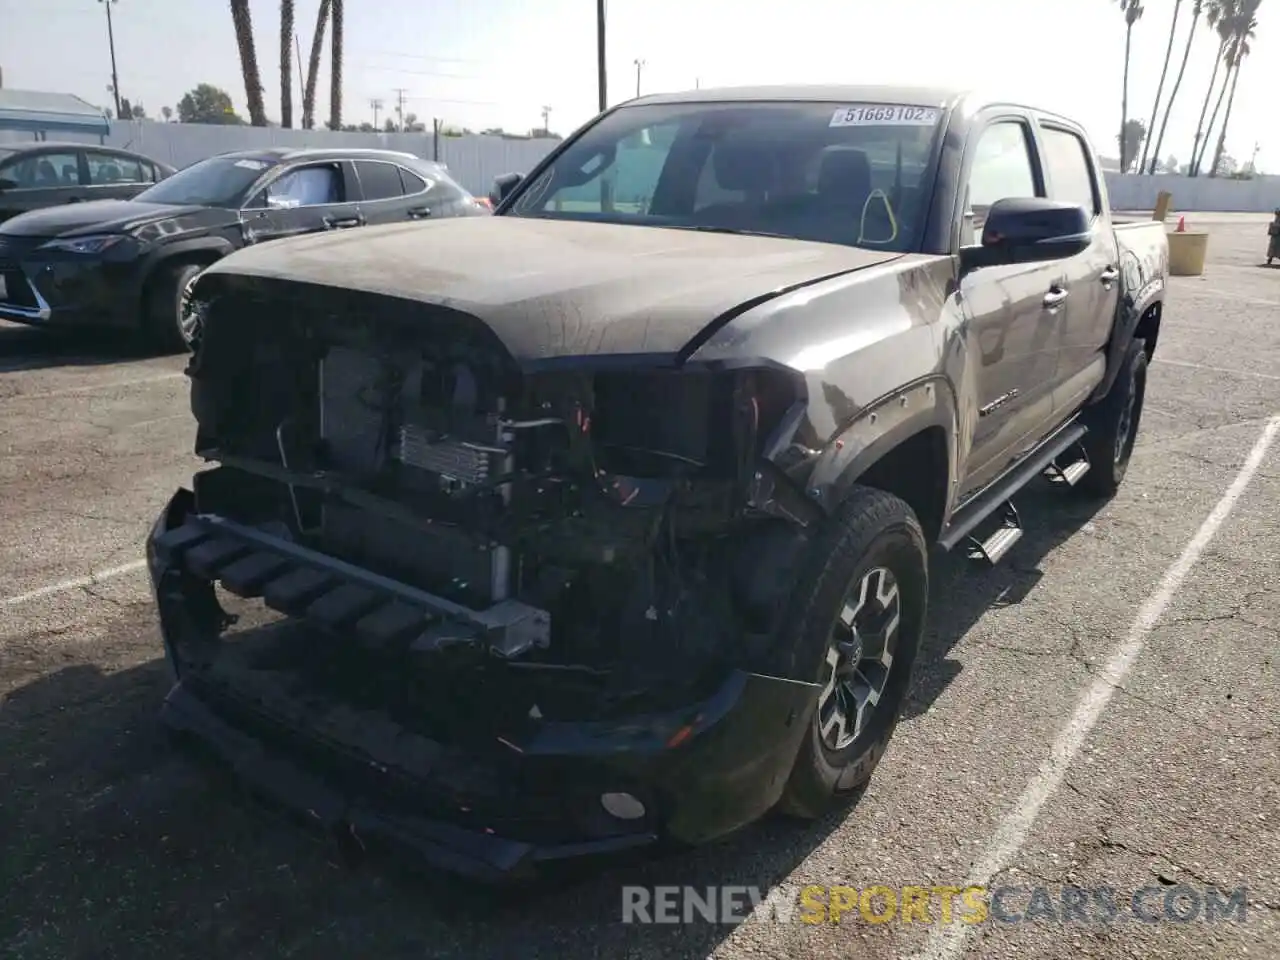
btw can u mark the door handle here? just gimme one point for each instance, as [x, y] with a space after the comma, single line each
[418, 213]
[1109, 276]
[1054, 298]
[341, 223]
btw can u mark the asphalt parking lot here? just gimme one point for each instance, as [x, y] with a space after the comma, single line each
[1102, 710]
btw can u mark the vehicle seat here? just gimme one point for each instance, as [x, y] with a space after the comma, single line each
[750, 168]
[109, 173]
[844, 184]
[46, 175]
[70, 176]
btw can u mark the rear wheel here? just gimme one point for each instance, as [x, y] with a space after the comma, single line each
[170, 320]
[859, 614]
[1113, 426]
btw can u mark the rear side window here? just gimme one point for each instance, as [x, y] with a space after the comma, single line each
[379, 181]
[1070, 175]
[410, 182]
[1001, 169]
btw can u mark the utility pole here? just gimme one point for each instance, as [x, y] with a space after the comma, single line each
[111, 40]
[601, 77]
[377, 105]
[546, 120]
[400, 92]
[639, 66]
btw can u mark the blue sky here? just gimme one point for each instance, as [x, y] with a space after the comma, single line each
[498, 62]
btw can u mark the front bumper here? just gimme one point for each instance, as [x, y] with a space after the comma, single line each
[69, 290]
[502, 813]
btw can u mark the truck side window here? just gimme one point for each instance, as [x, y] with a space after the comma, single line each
[1001, 169]
[1070, 173]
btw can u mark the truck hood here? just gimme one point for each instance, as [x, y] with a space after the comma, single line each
[98, 216]
[556, 288]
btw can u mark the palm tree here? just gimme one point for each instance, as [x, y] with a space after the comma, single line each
[313, 67]
[1197, 8]
[248, 62]
[335, 71]
[1164, 71]
[286, 63]
[1218, 17]
[1244, 26]
[1132, 10]
[1135, 132]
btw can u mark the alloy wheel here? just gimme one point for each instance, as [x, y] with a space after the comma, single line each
[859, 657]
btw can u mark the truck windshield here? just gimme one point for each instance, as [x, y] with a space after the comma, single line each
[215, 182]
[848, 173]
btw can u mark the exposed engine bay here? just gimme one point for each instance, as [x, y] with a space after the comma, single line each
[588, 540]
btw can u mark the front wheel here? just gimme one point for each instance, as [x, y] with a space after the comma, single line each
[858, 615]
[171, 321]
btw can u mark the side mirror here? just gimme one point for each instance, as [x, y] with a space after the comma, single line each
[1030, 230]
[503, 186]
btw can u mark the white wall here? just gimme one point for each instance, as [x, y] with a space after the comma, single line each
[1133, 192]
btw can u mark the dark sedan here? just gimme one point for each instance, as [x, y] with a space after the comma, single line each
[129, 264]
[38, 175]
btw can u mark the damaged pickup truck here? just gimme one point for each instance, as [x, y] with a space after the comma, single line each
[606, 520]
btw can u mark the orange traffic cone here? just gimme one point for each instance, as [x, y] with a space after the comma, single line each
[1182, 225]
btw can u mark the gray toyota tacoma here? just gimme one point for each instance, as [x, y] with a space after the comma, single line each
[605, 521]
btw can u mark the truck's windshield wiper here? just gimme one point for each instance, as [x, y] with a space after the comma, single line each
[701, 228]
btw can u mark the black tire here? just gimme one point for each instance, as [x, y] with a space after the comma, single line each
[872, 531]
[1113, 426]
[164, 307]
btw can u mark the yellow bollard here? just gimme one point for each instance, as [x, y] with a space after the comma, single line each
[1164, 200]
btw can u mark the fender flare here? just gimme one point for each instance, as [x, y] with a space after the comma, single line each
[1128, 315]
[881, 427]
[218, 246]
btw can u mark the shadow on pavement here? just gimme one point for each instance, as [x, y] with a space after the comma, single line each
[962, 590]
[34, 348]
[119, 846]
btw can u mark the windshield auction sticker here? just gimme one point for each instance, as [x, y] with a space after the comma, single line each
[884, 114]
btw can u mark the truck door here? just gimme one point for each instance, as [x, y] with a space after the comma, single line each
[1013, 310]
[1093, 287]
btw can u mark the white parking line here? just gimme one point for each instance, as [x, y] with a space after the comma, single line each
[1205, 366]
[75, 583]
[109, 385]
[947, 943]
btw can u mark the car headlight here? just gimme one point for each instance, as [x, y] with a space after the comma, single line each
[93, 244]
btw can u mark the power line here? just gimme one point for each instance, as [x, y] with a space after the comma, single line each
[419, 56]
[472, 103]
[417, 73]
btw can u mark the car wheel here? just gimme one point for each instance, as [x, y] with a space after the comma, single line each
[171, 321]
[1113, 426]
[858, 616]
